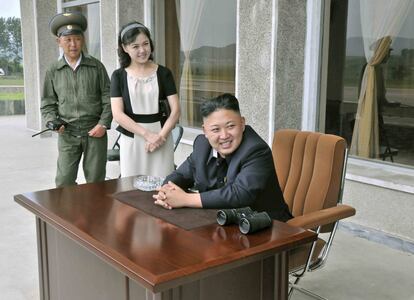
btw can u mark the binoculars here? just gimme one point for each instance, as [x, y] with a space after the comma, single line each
[52, 125]
[249, 221]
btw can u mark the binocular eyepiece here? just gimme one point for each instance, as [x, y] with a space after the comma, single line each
[233, 215]
[249, 221]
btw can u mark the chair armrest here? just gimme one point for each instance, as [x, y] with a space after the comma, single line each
[322, 217]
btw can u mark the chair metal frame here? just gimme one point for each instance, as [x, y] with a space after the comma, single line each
[320, 262]
[177, 134]
[114, 151]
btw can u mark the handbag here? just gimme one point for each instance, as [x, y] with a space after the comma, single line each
[165, 110]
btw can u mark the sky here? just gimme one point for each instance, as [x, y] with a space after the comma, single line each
[10, 8]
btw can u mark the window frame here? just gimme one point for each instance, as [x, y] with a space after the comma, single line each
[73, 3]
[157, 20]
[314, 118]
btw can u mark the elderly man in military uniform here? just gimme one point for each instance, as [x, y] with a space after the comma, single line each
[76, 101]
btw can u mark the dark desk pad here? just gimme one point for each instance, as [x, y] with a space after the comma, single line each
[186, 218]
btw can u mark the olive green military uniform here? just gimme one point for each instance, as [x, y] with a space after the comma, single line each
[80, 97]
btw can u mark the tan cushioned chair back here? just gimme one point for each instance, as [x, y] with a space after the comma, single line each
[309, 168]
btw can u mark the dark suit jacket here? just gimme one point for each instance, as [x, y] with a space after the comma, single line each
[251, 177]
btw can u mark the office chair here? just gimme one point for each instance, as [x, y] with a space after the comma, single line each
[113, 153]
[310, 167]
[177, 134]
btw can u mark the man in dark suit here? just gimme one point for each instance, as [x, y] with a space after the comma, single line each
[230, 167]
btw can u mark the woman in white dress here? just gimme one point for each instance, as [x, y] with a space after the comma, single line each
[138, 89]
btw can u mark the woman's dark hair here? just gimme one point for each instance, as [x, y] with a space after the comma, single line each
[126, 36]
[224, 101]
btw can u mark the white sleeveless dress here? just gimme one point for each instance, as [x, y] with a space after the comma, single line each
[134, 160]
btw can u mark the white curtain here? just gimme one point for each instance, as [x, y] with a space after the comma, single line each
[380, 18]
[381, 21]
[188, 14]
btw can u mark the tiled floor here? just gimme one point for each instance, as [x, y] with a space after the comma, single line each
[356, 269]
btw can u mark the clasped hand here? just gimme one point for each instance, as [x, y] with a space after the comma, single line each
[170, 196]
[153, 141]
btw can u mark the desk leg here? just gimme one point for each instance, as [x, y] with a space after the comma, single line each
[42, 259]
[282, 275]
[151, 296]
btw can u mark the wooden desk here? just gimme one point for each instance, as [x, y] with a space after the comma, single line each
[91, 246]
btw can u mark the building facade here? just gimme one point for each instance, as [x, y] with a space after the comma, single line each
[291, 63]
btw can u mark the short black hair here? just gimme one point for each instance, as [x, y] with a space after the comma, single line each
[224, 101]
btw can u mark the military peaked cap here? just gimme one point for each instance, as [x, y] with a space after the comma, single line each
[68, 23]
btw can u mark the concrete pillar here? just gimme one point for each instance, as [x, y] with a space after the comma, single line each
[254, 70]
[109, 30]
[290, 58]
[39, 49]
[270, 65]
[131, 10]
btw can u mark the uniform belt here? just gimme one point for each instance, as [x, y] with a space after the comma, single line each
[77, 131]
[74, 134]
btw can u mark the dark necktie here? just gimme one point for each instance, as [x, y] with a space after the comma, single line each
[221, 171]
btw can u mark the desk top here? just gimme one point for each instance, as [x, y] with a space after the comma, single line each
[151, 251]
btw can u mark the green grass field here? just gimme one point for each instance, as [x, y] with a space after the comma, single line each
[11, 96]
[353, 69]
[11, 80]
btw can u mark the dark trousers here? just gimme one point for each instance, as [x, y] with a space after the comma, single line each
[71, 149]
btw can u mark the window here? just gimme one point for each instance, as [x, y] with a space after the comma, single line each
[370, 94]
[201, 51]
[90, 9]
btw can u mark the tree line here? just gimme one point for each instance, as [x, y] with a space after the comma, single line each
[11, 46]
